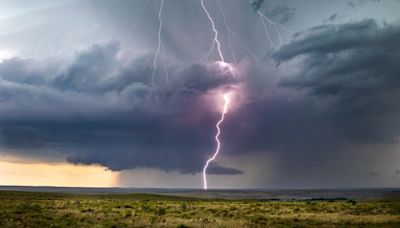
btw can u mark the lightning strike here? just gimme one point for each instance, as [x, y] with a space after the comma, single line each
[215, 40]
[228, 29]
[160, 24]
[217, 126]
[223, 65]
[275, 25]
[267, 33]
[232, 34]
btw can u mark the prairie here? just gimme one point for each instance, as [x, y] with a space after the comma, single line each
[39, 209]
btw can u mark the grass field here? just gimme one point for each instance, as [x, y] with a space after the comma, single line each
[29, 209]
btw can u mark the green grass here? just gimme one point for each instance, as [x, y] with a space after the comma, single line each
[27, 209]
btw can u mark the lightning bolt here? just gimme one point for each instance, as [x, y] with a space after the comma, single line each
[160, 24]
[228, 29]
[215, 40]
[217, 126]
[232, 34]
[225, 96]
[263, 20]
[266, 31]
[215, 44]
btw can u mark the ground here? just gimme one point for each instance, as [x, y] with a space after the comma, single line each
[29, 209]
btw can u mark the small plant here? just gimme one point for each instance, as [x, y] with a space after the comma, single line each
[352, 202]
[259, 219]
[183, 206]
[86, 210]
[161, 211]
[145, 207]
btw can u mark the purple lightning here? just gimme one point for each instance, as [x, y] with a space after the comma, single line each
[226, 98]
[224, 111]
[217, 44]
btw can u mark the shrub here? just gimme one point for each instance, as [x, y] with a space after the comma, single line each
[161, 211]
[183, 206]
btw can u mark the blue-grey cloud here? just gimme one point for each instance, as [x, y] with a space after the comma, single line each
[346, 82]
[257, 4]
[358, 3]
[216, 169]
[282, 14]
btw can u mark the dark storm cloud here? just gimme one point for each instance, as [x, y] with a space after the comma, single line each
[198, 78]
[342, 95]
[353, 68]
[337, 91]
[217, 169]
[100, 109]
[357, 67]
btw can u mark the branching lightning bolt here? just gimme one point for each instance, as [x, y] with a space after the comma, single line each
[275, 25]
[224, 111]
[216, 44]
[215, 40]
[228, 29]
[232, 34]
[160, 24]
[266, 31]
[226, 98]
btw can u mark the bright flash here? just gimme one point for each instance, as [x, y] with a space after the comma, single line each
[226, 67]
[224, 111]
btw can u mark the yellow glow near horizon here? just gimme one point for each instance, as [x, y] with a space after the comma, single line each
[55, 174]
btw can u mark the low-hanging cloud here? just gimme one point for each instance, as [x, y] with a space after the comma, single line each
[216, 169]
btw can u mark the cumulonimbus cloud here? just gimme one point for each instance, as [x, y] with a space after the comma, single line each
[96, 110]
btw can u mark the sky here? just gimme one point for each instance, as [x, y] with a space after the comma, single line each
[93, 94]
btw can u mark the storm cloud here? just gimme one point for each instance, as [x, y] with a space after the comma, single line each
[323, 105]
[342, 95]
[221, 170]
[97, 111]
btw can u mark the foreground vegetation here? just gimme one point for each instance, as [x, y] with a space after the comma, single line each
[19, 209]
